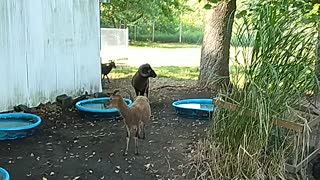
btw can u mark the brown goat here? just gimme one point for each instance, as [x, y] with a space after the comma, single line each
[140, 80]
[106, 69]
[134, 117]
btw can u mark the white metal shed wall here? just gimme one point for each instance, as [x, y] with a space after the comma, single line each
[48, 47]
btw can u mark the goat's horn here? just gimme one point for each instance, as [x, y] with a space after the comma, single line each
[140, 71]
[128, 91]
[115, 92]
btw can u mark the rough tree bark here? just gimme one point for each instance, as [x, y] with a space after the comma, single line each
[214, 64]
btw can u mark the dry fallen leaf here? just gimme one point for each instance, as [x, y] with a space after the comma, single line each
[75, 178]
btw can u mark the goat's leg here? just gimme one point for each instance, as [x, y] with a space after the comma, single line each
[136, 152]
[144, 132]
[137, 92]
[108, 79]
[147, 89]
[141, 131]
[128, 140]
[142, 92]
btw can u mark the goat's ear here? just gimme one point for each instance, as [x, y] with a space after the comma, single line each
[115, 92]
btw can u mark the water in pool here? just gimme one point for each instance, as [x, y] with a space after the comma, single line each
[196, 106]
[12, 123]
[95, 105]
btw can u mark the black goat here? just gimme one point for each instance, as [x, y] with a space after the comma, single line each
[140, 81]
[105, 69]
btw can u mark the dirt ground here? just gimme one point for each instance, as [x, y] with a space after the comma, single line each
[70, 146]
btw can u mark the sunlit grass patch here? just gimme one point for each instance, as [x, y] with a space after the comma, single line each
[122, 72]
[162, 45]
[237, 76]
[174, 72]
[185, 73]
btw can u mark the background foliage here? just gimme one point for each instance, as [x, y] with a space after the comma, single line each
[165, 15]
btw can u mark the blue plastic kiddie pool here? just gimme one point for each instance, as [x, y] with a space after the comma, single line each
[95, 107]
[4, 175]
[194, 108]
[17, 125]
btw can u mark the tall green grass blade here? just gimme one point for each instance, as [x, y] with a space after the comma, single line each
[276, 66]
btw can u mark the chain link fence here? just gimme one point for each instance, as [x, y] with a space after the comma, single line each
[154, 32]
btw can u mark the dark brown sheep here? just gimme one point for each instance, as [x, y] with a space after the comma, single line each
[140, 80]
[106, 69]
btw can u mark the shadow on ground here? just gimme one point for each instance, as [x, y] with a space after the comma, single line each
[70, 146]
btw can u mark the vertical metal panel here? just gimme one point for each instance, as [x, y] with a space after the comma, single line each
[48, 47]
[13, 55]
[84, 34]
[35, 59]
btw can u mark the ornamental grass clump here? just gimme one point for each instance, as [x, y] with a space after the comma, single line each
[274, 74]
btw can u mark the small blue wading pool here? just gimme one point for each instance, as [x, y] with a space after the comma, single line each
[18, 125]
[194, 108]
[95, 108]
[4, 175]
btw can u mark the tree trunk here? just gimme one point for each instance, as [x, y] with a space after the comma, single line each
[214, 64]
[114, 22]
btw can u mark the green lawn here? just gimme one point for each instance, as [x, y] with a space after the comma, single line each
[174, 72]
[162, 45]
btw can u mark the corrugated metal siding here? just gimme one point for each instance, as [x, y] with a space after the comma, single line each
[48, 47]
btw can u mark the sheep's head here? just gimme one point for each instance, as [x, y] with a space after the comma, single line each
[145, 70]
[112, 64]
[114, 100]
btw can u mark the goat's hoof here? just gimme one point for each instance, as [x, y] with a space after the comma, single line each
[142, 137]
